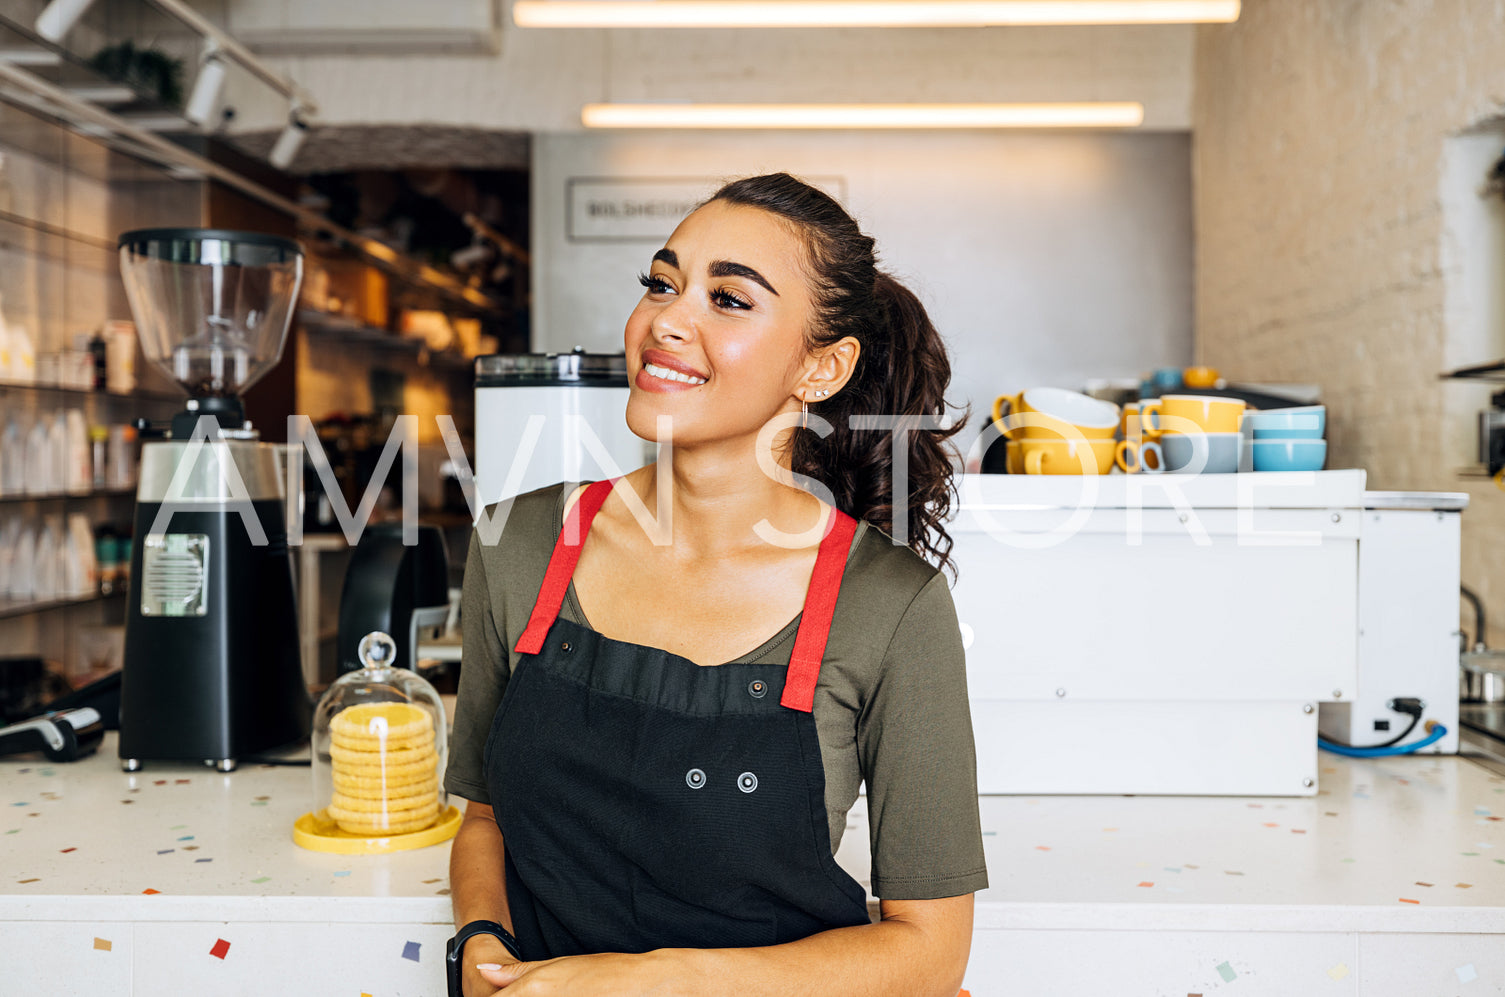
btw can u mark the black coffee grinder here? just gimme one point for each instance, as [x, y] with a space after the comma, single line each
[211, 669]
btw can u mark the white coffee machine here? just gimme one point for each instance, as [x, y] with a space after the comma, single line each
[547, 417]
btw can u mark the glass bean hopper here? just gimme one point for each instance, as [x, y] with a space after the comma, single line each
[378, 760]
[212, 309]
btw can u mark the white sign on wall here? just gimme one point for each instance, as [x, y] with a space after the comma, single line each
[644, 209]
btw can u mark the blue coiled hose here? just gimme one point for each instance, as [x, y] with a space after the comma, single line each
[1435, 733]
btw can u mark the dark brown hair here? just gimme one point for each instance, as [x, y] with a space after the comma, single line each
[902, 371]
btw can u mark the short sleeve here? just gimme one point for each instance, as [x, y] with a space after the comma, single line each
[484, 670]
[914, 736]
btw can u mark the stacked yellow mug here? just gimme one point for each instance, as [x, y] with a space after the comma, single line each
[1196, 433]
[1055, 431]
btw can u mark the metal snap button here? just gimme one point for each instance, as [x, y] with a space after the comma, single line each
[695, 779]
[747, 782]
[757, 689]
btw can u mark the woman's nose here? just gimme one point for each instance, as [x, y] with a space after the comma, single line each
[675, 321]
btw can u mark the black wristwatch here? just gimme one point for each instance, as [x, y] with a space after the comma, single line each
[456, 945]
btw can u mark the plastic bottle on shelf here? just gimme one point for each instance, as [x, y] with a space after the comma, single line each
[38, 460]
[18, 355]
[122, 462]
[57, 452]
[13, 469]
[10, 531]
[23, 563]
[106, 559]
[5, 351]
[45, 580]
[79, 477]
[120, 354]
[82, 571]
[97, 350]
[99, 443]
[23, 356]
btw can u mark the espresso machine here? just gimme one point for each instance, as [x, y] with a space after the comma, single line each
[211, 670]
[397, 588]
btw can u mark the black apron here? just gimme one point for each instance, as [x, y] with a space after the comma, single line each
[648, 802]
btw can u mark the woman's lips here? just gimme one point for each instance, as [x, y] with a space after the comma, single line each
[663, 372]
[655, 378]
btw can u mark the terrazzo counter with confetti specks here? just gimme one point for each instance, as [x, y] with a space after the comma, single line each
[181, 880]
[1391, 881]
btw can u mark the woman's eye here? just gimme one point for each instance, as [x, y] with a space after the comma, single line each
[655, 285]
[726, 299]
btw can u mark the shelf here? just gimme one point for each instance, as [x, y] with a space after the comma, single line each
[39, 91]
[68, 496]
[341, 328]
[73, 73]
[58, 231]
[1493, 372]
[141, 395]
[12, 607]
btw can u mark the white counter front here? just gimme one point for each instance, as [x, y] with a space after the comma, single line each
[1391, 881]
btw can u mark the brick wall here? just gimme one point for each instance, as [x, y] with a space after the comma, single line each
[1320, 133]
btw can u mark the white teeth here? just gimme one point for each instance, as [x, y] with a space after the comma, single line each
[671, 375]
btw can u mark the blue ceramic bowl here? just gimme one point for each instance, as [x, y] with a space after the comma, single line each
[1289, 455]
[1306, 423]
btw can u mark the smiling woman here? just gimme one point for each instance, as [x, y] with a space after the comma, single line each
[663, 720]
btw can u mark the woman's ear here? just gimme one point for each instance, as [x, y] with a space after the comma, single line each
[828, 370]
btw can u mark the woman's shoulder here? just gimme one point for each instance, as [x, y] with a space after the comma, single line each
[527, 520]
[884, 575]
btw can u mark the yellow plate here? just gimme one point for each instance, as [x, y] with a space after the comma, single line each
[319, 833]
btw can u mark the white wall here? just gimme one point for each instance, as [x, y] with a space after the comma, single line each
[1340, 148]
[1043, 259]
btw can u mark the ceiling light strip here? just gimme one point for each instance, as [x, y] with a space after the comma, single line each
[863, 13]
[1094, 115]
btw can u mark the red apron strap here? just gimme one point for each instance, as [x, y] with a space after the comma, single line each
[820, 606]
[556, 580]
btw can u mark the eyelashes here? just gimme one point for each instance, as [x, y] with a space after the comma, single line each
[727, 299]
[722, 298]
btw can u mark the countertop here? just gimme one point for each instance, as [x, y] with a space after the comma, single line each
[1414, 844]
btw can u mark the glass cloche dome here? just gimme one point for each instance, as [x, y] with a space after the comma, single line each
[379, 750]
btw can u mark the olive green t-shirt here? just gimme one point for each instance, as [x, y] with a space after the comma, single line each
[890, 707]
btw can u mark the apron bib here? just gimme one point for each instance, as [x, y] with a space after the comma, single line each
[648, 802]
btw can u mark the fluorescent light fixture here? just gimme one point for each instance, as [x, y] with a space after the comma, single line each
[1097, 115]
[655, 14]
[289, 142]
[102, 93]
[29, 57]
[203, 102]
[59, 17]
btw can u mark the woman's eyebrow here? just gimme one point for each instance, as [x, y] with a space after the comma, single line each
[668, 256]
[726, 268]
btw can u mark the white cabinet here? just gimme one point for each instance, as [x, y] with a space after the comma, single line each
[1156, 634]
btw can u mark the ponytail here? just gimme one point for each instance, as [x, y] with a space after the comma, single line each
[898, 386]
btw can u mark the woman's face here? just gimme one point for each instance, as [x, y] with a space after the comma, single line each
[718, 340]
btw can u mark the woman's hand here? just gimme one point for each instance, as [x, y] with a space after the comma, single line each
[482, 950]
[611, 974]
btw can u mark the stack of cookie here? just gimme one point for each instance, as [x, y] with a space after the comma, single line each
[386, 771]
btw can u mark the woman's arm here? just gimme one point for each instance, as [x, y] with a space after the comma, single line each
[919, 949]
[477, 883]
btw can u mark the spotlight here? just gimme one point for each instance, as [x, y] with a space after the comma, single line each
[289, 142]
[59, 17]
[207, 89]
